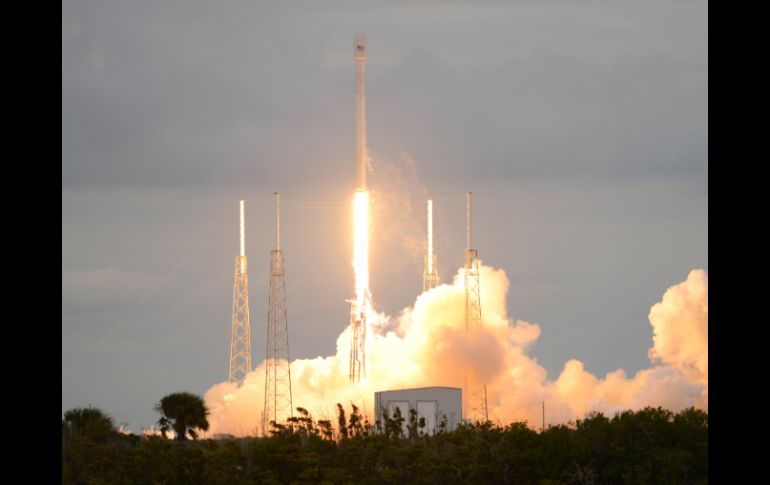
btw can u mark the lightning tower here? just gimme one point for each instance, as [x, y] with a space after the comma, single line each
[240, 343]
[278, 405]
[430, 277]
[475, 392]
[360, 306]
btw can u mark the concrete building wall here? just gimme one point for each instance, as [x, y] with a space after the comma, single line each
[431, 403]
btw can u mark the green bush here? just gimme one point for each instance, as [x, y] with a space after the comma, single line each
[651, 445]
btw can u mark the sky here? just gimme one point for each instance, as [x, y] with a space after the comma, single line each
[580, 127]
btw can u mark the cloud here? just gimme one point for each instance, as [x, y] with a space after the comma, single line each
[680, 326]
[173, 111]
[435, 349]
[240, 86]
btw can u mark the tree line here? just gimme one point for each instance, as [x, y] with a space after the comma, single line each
[648, 446]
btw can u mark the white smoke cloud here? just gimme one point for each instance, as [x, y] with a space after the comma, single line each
[680, 326]
[431, 347]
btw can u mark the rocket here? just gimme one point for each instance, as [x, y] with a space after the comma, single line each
[359, 54]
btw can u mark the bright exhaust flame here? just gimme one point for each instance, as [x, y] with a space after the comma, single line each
[360, 308]
[361, 248]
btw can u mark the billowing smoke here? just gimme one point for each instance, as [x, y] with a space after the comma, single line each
[681, 333]
[427, 345]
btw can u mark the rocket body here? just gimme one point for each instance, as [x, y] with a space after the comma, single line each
[360, 306]
[359, 54]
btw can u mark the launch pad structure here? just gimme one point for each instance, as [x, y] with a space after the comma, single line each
[475, 392]
[278, 404]
[278, 399]
[240, 340]
[357, 343]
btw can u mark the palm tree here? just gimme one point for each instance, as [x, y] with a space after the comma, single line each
[182, 412]
[89, 422]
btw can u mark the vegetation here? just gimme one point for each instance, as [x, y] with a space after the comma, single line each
[87, 422]
[183, 412]
[649, 446]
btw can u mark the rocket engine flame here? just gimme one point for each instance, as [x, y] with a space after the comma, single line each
[361, 307]
[361, 247]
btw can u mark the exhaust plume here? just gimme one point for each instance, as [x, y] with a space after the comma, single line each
[427, 345]
[681, 332]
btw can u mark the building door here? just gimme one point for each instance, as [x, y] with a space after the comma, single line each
[428, 410]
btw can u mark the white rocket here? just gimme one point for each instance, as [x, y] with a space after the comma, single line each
[359, 54]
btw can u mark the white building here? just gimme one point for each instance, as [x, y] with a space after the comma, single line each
[432, 403]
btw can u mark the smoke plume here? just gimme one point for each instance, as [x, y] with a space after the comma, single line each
[681, 333]
[427, 345]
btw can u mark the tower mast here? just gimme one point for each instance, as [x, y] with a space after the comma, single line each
[475, 393]
[240, 341]
[278, 403]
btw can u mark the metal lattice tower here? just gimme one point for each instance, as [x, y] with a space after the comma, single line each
[430, 277]
[240, 342]
[278, 405]
[475, 392]
[357, 368]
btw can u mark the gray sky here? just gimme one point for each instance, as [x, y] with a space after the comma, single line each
[580, 126]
